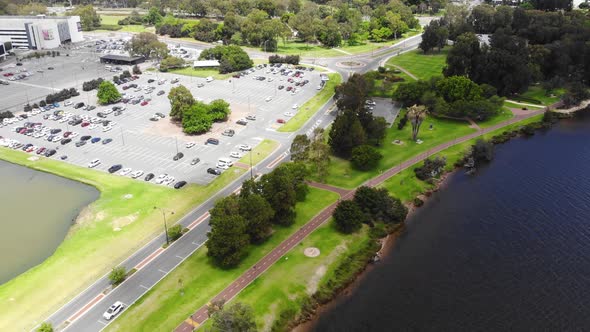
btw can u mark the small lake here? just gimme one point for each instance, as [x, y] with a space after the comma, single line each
[507, 249]
[37, 210]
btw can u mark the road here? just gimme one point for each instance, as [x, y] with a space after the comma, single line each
[84, 312]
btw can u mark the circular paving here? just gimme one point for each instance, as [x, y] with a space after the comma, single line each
[351, 64]
[311, 252]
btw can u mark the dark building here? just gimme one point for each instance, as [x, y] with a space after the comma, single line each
[121, 59]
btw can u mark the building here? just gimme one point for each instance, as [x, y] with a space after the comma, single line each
[206, 64]
[121, 59]
[40, 32]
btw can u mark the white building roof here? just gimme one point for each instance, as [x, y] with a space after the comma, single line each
[206, 63]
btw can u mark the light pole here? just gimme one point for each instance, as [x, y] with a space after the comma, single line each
[122, 138]
[176, 142]
[165, 224]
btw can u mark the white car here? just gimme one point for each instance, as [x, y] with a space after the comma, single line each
[67, 103]
[190, 145]
[108, 111]
[73, 134]
[107, 128]
[289, 114]
[113, 310]
[268, 99]
[244, 147]
[94, 163]
[235, 154]
[92, 126]
[295, 106]
[125, 171]
[161, 178]
[136, 174]
[168, 180]
[222, 166]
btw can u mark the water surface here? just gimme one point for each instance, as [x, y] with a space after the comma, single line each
[37, 210]
[506, 249]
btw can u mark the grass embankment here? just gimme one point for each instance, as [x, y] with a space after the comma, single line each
[538, 95]
[165, 306]
[111, 23]
[190, 71]
[423, 66]
[341, 173]
[307, 110]
[260, 151]
[86, 254]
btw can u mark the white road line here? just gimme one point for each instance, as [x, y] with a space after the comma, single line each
[163, 271]
[179, 257]
[142, 286]
[102, 323]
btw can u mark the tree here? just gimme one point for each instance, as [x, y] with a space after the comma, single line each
[396, 24]
[195, 120]
[482, 150]
[416, 115]
[181, 100]
[107, 93]
[237, 318]
[153, 17]
[379, 205]
[89, 19]
[329, 33]
[146, 44]
[348, 217]
[319, 154]
[463, 57]
[171, 62]
[435, 35]
[300, 148]
[365, 157]
[117, 275]
[346, 133]
[219, 110]
[258, 214]
[228, 238]
[45, 327]
[174, 232]
[410, 93]
[231, 58]
[353, 94]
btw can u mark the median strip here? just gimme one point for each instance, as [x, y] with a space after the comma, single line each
[149, 258]
[85, 308]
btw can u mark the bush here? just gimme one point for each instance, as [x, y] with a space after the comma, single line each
[42, 103]
[117, 275]
[171, 62]
[6, 115]
[431, 168]
[174, 232]
[45, 327]
[231, 58]
[402, 121]
[365, 157]
[91, 85]
[290, 59]
[28, 108]
[60, 96]
[418, 202]
[136, 70]
[107, 93]
[348, 217]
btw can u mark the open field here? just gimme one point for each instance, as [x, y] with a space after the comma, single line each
[189, 71]
[423, 66]
[307, 110]
[171, 301]
[111, 22]
[122, 218]
[537, 95]
[505, 114]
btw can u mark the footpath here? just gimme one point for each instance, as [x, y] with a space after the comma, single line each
[200, 316]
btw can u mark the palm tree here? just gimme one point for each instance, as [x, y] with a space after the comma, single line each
[416, 115]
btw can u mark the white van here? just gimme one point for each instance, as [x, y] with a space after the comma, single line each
[224, 163]
[209, 79]
[107, 67]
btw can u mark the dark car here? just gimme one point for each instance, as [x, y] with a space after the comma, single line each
[85, 137]
[55, 131]
[161, 92]
[95, 140]
[115, 168]
[101, 115]
[149, 177]
[19, 64]
[50, 153]
[151, 80]
[179, 184]
[154, 119]
[65, 141]
[80, 143]
[213, 171]
[281, 87]
[242, 122]
[79, 105]
[213, 141]
[178, 156]
[160, 115]
[50, 68]
[64, 157]
[107, 141]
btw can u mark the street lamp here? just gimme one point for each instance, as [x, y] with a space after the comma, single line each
[165, 224]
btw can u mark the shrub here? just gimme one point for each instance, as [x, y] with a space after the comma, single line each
[365, 157]
[174, 232]
[42, 103]
[6, 115]
[91, 85]
[117, 275]
[290, 59]
[418, 202]
[45, 327]
[431, 168]
[136, 70]
[171, 62]
[402, 121]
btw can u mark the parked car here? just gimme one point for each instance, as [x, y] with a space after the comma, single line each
[235, 154]
[195, 161]
[161, 115]
[213, 171]
[115, 168]
[178, 156]
[179, 184]
[79, 105]
[149, 177]
[213, 141]
[107, 140]
[95, 140]
[244, 147]
[94, 163]
[65, 141]
[242, 122]
[229, 132]
[161, 92]
[85, 137]
[280, 121]
[80, 143]
[190, 145]
[251, 117]
[125, 171]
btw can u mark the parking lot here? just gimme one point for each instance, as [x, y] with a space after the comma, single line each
[140, 144]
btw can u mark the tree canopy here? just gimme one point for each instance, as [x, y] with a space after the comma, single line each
[107, 93]
[146, 44]
[231, 58]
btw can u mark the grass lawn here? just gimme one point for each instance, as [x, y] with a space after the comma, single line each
[189, 71]
[423, 66]
[505, 114]
[164, 306]
[260, 151]
[341, 173]
[513, 105]
[536, 95]
[406, 186]
[86, 254]
[379, 91]
[113, 20]
[307, 110]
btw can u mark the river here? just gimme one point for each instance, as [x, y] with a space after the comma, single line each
[505, 249]
[37, 210]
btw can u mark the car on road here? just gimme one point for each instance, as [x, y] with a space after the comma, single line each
[190, 145]
[113, 310]
[213, 171]
[149, 177]
[115, 168]
[229, 132]
[244, 147]
[242, 122]
[280, 121]
[195, 161]
[178, 156]
[235, 154]
[107, 140]
[125, 171]
[213, 141]
[251, 117]
[179, 184]
[94, 163]
[137, 174]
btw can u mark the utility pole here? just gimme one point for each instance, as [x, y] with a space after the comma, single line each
[165, 224]
[176, 141]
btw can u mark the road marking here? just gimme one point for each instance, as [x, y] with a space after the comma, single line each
[87, 307]
[163, 271]
[149, 258]
[101, 322]
[142, 286]
[276, 161]
[179, 257]
[199, 220]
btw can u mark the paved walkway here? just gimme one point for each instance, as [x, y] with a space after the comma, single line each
[200, 316]
[406, 72]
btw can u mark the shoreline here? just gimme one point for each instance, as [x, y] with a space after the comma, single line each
[307, 324]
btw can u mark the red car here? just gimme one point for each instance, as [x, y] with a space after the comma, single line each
[8, 74]
[289, 88]
[40, 150]
[125, 87]
[30, 149]
[67, 133]
[85, 124]
[143, 103]
[280, 121]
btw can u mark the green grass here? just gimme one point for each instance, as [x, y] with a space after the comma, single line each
[378, 91]
[260, 151]
[406, 186]
[341, 173]
[109, 21]
[86, 254]
[307, 110]
[517, 106]
[423, 66]
[164, 306]
[505, 114]
[190, 71]
[538, 93]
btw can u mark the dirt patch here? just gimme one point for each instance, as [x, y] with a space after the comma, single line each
[89, 215]
[311, 252]
[121, 222]
[314, 281]
[269, 318]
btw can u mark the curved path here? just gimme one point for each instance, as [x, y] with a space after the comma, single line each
[200, 316]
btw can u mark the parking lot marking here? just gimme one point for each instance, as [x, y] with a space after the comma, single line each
[101, 322]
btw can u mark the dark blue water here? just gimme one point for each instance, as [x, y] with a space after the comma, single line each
[505, 250]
